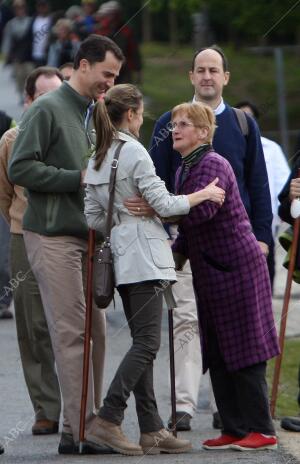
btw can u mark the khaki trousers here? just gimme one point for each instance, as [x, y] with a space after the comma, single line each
[58, 264]
[33, 336]
[188, 359]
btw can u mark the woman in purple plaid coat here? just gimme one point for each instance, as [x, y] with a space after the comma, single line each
[232, 287]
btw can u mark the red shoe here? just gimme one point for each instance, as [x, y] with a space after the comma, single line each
[255, 441]
[222, 442]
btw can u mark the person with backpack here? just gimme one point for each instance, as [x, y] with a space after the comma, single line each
[237, 139]
[290, 192]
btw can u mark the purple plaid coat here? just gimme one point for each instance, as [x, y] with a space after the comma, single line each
[230, 274]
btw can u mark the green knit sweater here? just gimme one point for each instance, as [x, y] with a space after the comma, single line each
[48, 156]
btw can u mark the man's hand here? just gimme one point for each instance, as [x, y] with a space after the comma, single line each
[294, 188]
[139, 207]
[264, 248]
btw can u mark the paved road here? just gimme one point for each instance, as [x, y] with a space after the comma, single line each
[16, 413]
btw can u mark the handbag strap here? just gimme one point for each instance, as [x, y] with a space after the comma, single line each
[111, 189]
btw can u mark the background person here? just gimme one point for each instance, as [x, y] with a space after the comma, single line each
[290, 192]
[143, 263]
[111, 24]
[41, 28]
[34, 341]
[65, 47]
[231, 284]
[17, 44]
[278, 171]
[67, 70]
[85, 24]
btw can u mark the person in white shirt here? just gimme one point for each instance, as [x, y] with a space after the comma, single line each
[278, 172]
[41, 29]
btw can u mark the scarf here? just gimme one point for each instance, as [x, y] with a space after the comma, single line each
[190, 160]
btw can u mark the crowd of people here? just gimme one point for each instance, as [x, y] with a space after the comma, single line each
[204, 189]
[53, 38]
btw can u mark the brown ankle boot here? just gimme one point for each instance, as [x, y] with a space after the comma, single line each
[103, 432]
[163, 442]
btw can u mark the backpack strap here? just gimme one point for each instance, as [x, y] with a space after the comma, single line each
[242, 120]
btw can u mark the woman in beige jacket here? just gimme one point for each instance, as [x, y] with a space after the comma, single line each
[143, 263]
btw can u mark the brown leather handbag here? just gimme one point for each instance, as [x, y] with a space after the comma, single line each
[103, 275]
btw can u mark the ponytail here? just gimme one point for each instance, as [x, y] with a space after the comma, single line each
[108, 115]
[104, 134]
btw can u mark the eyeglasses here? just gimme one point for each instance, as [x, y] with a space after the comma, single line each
[181, 125]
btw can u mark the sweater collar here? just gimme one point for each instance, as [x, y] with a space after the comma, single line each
[80, 101]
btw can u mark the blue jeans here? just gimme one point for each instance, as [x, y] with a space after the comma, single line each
[5, 287]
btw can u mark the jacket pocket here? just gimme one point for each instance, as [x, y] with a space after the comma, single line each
[215, 264]
[122, 238]
[159, 248]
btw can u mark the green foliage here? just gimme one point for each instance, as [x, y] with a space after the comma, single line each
[288, 386]
[255, 21]
[166, 83]
[182, 6]
[238, 21]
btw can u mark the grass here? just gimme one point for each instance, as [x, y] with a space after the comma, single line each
[166, 83]
[287, 404]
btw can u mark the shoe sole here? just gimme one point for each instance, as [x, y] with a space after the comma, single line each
[223, 447]
[87, 449]
[179, 428]
[45, 432]
[154, 450]
[96, 440]
[260, 448]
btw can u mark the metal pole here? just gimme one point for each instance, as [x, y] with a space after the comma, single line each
[282, 113]
[172, 371]
[287, 295]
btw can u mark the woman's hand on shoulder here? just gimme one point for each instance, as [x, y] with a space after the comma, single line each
[215, 193]
[210, 192]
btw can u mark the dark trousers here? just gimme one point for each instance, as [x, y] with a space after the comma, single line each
[143, 309]
[5, 286]
[241, 396]
[33, 337]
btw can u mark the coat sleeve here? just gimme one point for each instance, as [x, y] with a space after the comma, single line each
[210, 169]
[258, 186]
[6, 187]
[28, 165]
[153, 189]
[93, 210]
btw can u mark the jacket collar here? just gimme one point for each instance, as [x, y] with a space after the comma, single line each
[125, 137]
[74, 97]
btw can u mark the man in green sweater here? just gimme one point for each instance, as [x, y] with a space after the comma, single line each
[49, 159]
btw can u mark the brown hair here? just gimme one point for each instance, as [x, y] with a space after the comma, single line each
[94, 49]
[108, 115]
[200, 114]
[47, 71]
